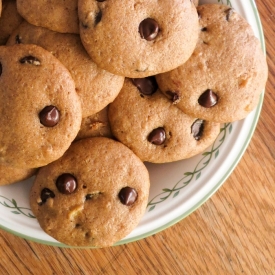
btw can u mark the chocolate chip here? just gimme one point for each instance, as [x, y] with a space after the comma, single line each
[228, 13]
[197, 129]
[30, 60]
[18, 39]
[157, 136]
[148, 29]
[0, 69]
[208, 99]
[173, 95]
[127, 195]
[147, 85]
[46, 194]
[98, 17]
[89, 196]
[204, 29]
[49, 116]
[66, 183]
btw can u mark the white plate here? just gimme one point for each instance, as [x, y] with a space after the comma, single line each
[177, 189]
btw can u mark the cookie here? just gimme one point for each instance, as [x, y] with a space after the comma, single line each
[227, 72]
[147, 122]
[60, 16]
[94, 195]
[96, 87]
[11, 174]
[0, 7]
[96, 125]
[40, 110]
[9, 20]
[138, 39]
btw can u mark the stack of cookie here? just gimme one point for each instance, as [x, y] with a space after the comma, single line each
[96, 89]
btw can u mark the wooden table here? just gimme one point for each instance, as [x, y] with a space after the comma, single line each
[232, 233]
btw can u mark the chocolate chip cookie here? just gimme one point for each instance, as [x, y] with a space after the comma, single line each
[93, 196]
[148, 123]
[40, 112]
[10, 19]
[138, 39]
[96, 87]
[60, 16]
[227, 72]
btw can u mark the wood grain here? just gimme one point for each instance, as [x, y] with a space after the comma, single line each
[232, 233]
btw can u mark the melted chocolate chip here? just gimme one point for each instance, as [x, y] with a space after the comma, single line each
[157, 136]
[148, 29]
[127, 196]
[49, 116]
[89, 196]
[208, 99]
[173, 95]
[66, 183]
[98, 17]
[46, 194]
[197, 129]
[30, 60]
[0, 69]
[204, 29]
[147, 85]
[18, 39]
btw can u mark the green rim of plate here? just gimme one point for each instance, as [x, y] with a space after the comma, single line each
[206, 197]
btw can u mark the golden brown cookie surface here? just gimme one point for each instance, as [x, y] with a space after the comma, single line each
[93, 196]
[40, 110]
[146, 121]
[60, 16]
[11, 174]
[96, 87]
[227, 72]
[10, 19]
[138, 38]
